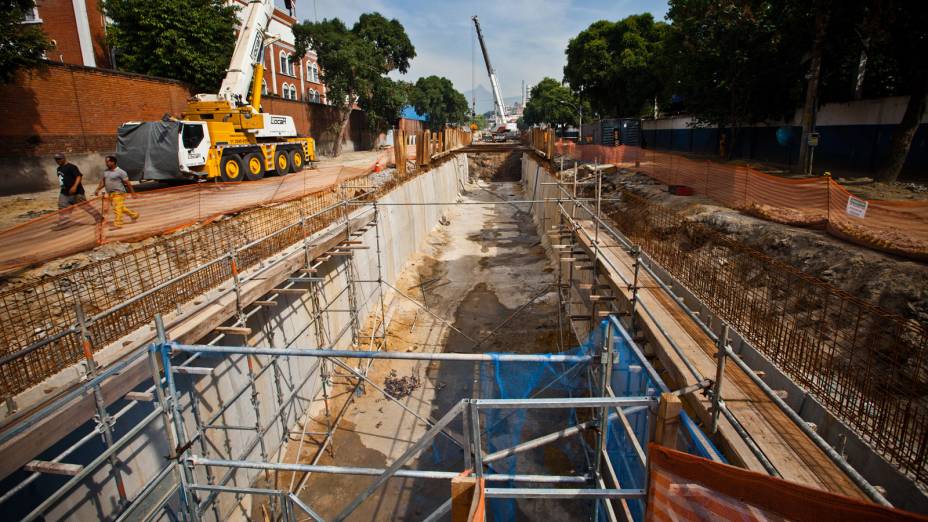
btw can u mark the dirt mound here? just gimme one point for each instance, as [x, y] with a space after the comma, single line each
[895, 284]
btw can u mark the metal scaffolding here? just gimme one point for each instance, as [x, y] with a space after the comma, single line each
[194, 475]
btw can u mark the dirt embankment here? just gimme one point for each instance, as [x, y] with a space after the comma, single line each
[895, 284]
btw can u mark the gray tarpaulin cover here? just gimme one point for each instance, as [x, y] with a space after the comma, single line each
[149, 150]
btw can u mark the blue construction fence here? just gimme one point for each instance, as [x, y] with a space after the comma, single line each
[854, 148]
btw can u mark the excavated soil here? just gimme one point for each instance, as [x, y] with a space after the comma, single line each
[892, 283]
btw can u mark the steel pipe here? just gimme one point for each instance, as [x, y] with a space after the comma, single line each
[404, 473]
[352, 354]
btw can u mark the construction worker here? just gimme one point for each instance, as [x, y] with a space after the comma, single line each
[117, 183]
[71, 194]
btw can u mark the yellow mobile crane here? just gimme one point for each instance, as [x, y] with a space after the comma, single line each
[223, 135]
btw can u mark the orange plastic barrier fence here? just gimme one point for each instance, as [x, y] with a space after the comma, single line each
[898, 227]
[86, 225]
[685, 487]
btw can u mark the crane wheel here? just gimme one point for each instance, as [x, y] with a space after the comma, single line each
[231, 168]
[297, 160]
[281, 162]
[254, 166]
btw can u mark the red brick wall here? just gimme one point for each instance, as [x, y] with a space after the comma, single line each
[70, 108]
[318, 121]
[78, 109]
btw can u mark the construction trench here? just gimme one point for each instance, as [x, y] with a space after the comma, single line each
[409, 297]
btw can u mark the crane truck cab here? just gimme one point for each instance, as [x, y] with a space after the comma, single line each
[221, 136]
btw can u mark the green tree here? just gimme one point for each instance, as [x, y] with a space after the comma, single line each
[436, 98]
[354, 62]
[611, 64]
[736, 62]
[21, 45]
[187, 40]
[385, 102]
[552, 103]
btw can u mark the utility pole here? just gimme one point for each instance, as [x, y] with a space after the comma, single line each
[815, 69]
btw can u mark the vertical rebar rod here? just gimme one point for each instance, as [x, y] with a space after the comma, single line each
[380, 281]
[634, 288]
[720, 355]
[233, 265]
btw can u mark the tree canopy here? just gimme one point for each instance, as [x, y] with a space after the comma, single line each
[187, 40]
[436, 98]
[735, 62]
[21, 45]
[354, 63]
[552, 103]
[610, 64]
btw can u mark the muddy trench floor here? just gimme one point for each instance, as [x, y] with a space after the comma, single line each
[476, 271]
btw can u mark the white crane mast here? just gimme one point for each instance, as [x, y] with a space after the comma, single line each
[248, 49]
[494, 83]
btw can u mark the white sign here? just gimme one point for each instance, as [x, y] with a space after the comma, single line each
[856, 207]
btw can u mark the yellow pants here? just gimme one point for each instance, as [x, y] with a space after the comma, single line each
[118, 200]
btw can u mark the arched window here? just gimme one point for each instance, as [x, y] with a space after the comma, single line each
[283, 63]
[313, 71]
[312, 95]
[293, 92]
[286, 91]
[264, 87]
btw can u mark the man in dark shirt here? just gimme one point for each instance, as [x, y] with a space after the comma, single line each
[72, 193]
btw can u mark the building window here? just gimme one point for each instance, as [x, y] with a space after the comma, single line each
[313, 72]
[31, 16]
[313, 96]
[264, 87]
[289, 91]
[284, 63]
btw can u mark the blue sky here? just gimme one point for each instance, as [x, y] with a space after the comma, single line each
[526, 38]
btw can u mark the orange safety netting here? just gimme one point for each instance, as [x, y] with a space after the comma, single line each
[686, 487]
[84, 226]
[898, 227]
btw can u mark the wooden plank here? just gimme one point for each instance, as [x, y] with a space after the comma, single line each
[463, 490]
[667, 424]
[192, 370]
[296, 291]
[233, 330]
[140, 396]
[794, 455]
[53, 468]
[264, 303]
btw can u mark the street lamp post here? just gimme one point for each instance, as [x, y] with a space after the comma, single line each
[579, 109]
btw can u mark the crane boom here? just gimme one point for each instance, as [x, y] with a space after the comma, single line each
[494, 83]
[249, 48]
